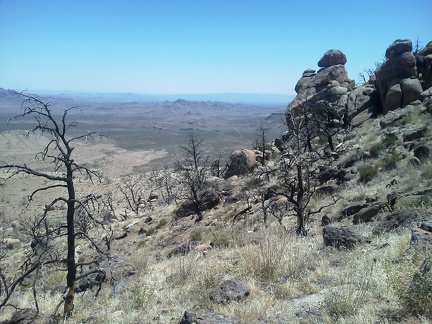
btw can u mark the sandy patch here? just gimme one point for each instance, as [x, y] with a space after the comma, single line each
[112, 161]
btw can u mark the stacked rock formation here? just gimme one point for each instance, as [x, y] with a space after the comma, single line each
[424, 66]
[331, 80]
[397, 79]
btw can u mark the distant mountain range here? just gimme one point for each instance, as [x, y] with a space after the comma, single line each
[245, 98]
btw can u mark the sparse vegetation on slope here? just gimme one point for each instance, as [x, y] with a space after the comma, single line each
[360, 196]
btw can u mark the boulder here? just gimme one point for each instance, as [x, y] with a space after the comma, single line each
[393, 98]
[332, 57]
[398, 47]
[351, 210]
[241, 162]
[424, 65]
[329, 173]
[401, 218]
[203, 316]
[183, 249]
[25, 316]
[228, 291]
[341, 237]
[208, 200]
[12, 243]
[422, 151]
[352, 159]
[313, 87]
[366, 214]
[415, 134]
[411, 89]
[360, 99]
[396, 78]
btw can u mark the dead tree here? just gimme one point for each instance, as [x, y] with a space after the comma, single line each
[194, 173]
[299, 171]
[58, 152]
[133, 193]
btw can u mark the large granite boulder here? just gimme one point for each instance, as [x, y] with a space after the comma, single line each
[424, 65]
[332, 57]
[396, 78]
[241, 162]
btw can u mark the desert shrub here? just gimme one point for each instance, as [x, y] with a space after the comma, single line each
[224, 237]
[263, 261]
[426, 172]
[195, 235]
[413, 289]
[161, 223]
[389, 140]
[375, 150]
[367, 172]
[252, 183]
[342, 302]
[389, 162]
[150, 231]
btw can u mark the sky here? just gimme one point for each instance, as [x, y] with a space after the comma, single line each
[200, 47]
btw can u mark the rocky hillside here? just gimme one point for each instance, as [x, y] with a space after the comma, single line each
[329, 223]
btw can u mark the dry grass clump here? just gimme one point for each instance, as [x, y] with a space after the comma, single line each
[277, 255]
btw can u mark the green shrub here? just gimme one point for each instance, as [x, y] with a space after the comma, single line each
[417, 297]
[161, 223]
[195, 235]
[150, 231]
[412, 287]
[375, 150]
[389, 162]
[389, 140]
[367, 172]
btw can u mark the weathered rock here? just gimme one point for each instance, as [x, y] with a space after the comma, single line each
[360, 99]
[393, 98]
[366, 214]
[12, 243]
[228, 291]
[420, 237]
[203, 316]
[209, 200]
[184, 248]
[312, 87]
[427, 226]
[352, 159]
[341, 237]
[241, 162]
[415, 134]
[397, 79]
[332, 57]
[25, 316]
[325, 220]
[411, 89]
[422, 151]
[326, 190]
[398, 47]
[424, 65]
[330, 173]
[351, 210]
[404, 217]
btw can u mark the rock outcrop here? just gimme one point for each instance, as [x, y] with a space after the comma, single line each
[241, 162]
[330, 81]
[396, 78]
[424, 66]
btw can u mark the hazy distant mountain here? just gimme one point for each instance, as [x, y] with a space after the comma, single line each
[246, 98]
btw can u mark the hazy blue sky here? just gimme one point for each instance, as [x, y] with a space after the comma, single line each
[166, 47]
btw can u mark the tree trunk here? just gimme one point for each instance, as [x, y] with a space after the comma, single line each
[71, 269]
[299, 208]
